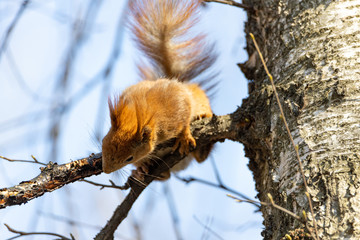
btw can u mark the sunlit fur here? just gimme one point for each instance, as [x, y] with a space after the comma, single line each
[128, 136]
[145, 115]
[152, 112]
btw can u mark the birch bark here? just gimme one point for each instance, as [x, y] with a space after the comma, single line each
[312, 49]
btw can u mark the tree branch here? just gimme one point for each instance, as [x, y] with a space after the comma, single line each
[52, 177]
[233, 126]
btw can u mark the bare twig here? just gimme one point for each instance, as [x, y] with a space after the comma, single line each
[192, 179]
[301, 219]
[296, 148]
[102, 186]
[230, 2]
[272, 203]
[21, 234]
[26, 161]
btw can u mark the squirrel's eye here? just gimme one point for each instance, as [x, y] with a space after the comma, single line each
[129, 159]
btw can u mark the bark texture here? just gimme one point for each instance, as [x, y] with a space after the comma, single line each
[52, 177]
[312, 49]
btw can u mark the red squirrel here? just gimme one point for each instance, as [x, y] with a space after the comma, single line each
[162, 106]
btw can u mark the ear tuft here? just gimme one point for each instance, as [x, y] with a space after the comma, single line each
[112, 113]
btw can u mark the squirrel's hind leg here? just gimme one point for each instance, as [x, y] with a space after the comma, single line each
[202, 153]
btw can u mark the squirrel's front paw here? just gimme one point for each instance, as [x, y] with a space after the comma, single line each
[184, 141]
[140, 172]
[203, 115]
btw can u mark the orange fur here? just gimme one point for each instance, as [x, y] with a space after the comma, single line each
[158, 109]
[161, 31]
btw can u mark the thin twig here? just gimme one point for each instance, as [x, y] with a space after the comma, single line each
[26, 161]
[102, 186]
[21, 234]
[230, 2]
[273, 204]
[192, 179]
[289, 133]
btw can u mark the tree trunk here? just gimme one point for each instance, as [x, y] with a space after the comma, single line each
[312, 50]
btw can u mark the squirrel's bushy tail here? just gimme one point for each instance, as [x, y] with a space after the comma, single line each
[163, 32]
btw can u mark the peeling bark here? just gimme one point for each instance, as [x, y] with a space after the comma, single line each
[312, 50]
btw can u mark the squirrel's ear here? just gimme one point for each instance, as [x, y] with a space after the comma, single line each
[145, 134]
[112, 113]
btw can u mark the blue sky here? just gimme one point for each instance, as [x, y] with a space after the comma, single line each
[29, 70]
